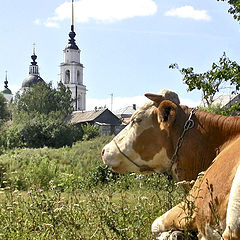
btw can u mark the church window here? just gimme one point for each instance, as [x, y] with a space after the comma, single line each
[78, 77]
[67, 76]
[79, 102]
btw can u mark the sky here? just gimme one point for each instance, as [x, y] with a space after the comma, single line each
[126, 45]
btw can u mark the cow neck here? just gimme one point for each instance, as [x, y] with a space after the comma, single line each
[218, 129]
[142, 168]
[189, 124]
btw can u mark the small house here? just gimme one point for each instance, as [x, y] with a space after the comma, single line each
[104, 119]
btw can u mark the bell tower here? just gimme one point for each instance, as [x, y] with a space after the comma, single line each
[71, 70]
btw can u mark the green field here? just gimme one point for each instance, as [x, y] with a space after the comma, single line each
[68, 193]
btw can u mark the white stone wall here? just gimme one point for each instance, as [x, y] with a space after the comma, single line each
[72, 66]
[8, 97]
[81, 96]
[71, 55]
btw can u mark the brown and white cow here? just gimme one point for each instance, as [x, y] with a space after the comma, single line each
[211, 144]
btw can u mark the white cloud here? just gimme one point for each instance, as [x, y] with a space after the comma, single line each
[188, 12]
[51, 24]
[104, 10]
[37, 21]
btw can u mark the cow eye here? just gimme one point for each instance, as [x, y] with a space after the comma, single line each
[137, 120]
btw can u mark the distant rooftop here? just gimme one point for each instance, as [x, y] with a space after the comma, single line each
[224, 100]
[129, 110]
[88, 116]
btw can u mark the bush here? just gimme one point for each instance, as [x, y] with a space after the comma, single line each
[217, 109]
[38, 132]
[90, 131]
[49, 132]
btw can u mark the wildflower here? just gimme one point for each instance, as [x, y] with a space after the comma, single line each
[51, 182]
[30, 192]
[40, 190]
[139, 177]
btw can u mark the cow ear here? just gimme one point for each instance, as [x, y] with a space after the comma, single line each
[155, 98]
[167, 111]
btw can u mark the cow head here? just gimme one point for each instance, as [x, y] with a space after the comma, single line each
[145, 144]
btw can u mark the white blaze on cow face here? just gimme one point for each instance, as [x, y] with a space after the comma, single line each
[142, 141]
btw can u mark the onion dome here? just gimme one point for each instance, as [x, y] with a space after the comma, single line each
[72, 42]
[34, 76]
[32, 80]
[6, 90]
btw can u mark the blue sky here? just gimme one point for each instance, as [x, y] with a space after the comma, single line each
[127, 45]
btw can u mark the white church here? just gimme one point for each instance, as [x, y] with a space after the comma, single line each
[71, 72]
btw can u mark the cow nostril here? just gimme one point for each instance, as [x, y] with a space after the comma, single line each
[103, 152]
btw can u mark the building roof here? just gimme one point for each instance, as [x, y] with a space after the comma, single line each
[224, 100]
[129, 110]
[6, 91]
[32, 80]
[103, 116]
[34, 76]
[88, 116]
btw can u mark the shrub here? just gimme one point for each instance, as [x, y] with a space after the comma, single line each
[90, 131]
[38, 132]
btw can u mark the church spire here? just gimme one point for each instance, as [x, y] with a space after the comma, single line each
[6, 81]
[72, 13]
[34, 56]
[71, 70]
[72, 34]
[33, 68]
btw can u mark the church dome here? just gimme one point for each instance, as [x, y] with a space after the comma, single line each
[32, 80]
[72, 42]
[6, 91]
[34, 76]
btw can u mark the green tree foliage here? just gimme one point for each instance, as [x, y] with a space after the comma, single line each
[234, 8]
[4, 113]
[212, 81]
[39, 119]
[233, 110]
[90, 131]
[44, 99]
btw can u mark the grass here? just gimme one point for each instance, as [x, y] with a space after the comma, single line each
[69, 194]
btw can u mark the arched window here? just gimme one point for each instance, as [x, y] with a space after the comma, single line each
[78, 77]
[79, 102]
[67, 76]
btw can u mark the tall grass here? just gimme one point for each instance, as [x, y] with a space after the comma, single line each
[69, 194]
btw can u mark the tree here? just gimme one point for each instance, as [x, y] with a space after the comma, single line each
[234, 8]
[212, 81]
[4, 113]
[44, 99]
[39, 117]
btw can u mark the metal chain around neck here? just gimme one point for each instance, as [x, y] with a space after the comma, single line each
[142, 168]
[188, 125]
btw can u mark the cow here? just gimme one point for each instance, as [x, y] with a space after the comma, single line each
[187, 144]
